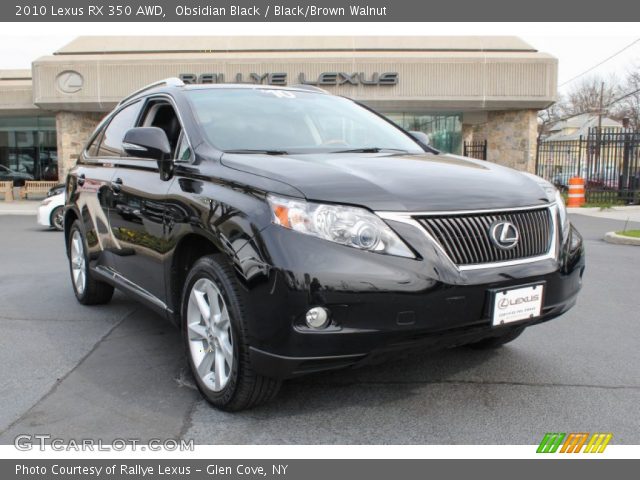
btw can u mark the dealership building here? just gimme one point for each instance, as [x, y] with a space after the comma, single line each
[456, 89]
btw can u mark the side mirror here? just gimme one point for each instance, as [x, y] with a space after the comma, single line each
[152, 143]
[421, 137]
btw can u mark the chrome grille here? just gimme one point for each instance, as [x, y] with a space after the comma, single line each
[466, 237]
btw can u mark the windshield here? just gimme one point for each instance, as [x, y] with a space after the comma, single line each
[285, 121]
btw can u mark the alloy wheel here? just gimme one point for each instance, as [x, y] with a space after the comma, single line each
[210, 335]
[78, 263]
[58, 219]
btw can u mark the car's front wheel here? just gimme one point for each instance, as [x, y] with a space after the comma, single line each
[88, 290]
[214, 328]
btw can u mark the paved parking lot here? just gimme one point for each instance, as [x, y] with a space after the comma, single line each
[117, 371]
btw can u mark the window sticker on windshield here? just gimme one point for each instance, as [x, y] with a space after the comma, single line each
[279, 93]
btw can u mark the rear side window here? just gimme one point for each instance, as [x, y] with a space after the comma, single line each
[111, 144]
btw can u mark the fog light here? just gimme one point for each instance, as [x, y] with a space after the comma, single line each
[317, 317]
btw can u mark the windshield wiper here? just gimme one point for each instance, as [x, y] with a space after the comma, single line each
[370, 150]
[265, 152]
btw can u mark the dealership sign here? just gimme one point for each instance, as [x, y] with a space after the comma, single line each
[281, 78]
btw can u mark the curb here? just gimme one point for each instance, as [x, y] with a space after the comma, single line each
[613, 237]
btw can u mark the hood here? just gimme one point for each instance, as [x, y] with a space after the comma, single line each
[396, 182]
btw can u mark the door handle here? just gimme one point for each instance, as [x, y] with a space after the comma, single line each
[81, 179]
[116, 185]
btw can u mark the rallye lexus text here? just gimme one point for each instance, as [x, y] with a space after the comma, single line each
[289, 231]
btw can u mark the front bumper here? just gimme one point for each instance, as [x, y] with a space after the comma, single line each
[43, 215]
[379, 304]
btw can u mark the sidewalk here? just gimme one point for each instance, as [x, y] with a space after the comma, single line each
[631, 213]
[19, 207]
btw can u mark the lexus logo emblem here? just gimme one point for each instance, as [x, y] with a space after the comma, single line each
[69, 81]
[504, 234]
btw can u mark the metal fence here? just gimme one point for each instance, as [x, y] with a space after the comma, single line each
[476, 150]
[607, 159]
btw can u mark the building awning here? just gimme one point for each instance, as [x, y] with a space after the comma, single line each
[432, 73]
[16, 96]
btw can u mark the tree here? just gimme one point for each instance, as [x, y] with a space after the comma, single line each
[585, 96]
[629, 107]
[550, 115]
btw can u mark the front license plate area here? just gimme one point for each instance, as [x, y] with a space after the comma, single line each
[516, 303]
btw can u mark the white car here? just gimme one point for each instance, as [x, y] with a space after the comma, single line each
[51, 210]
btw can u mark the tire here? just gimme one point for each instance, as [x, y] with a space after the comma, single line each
[496, 342]
[216, 338]
[87, 289]
[56, 219]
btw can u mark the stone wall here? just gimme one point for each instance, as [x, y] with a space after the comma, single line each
[511, 137]
[74, 129]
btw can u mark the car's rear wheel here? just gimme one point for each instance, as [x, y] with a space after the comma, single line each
[214, 328]
[497, 341]
[87, 289]
[56, 219]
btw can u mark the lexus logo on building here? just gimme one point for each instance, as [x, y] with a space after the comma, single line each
[504, 234]
[69, 81]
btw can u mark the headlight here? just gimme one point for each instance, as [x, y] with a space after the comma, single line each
[553, 195]
[576, 240]
[350, 226]
[562, 211]
[46, 201]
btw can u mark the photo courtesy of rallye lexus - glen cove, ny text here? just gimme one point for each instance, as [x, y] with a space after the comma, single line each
[286, 231]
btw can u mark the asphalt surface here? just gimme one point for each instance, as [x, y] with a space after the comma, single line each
[117, 371]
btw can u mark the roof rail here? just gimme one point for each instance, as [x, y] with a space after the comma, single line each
[313, 88]
[168, 82]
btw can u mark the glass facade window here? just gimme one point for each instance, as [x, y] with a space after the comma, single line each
[444, 129]
[28, 148]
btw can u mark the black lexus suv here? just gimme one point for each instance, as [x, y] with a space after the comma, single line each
[288, 231]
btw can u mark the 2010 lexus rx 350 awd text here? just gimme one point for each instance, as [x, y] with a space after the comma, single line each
[289, 231]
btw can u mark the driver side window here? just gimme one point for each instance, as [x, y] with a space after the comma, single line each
[160, 113]
[111, 141]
